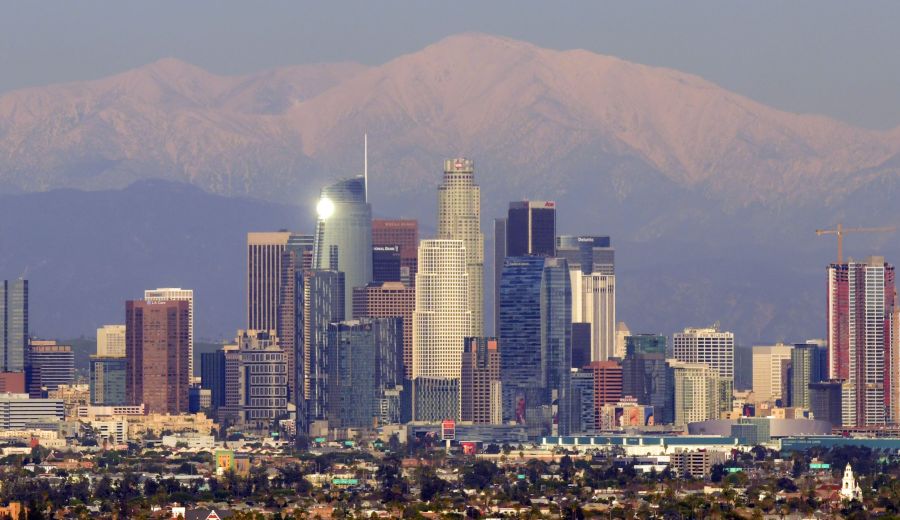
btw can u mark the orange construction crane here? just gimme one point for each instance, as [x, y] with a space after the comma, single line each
[840, 230]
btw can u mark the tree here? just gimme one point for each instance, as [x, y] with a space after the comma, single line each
[480, 474]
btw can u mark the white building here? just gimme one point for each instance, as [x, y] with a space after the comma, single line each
[850, 489]
[769, 372]
[18, 412]
[177, 294]
[112, 431]
[459, 218]
[698, 392]
[111, 341]
[706, 345]
[441, 320]
[594, 302]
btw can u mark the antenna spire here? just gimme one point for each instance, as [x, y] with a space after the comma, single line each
[366, 163]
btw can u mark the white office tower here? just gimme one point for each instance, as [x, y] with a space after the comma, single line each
[770, 364]
[111, 341]
[177, 294]
[594, 302]
[459, 218]
[709, 345]
[441, 322]
[698, 392]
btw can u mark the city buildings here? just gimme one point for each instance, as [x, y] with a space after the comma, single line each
[172, 294]
[109, 367]
[499, 260]
[698, 392]
[264, 257]
[706, 345]
[19, 412]
[809, 364]
[48, 365]
[769, 370]
[296, 259]
[441, 320]
[262, 376]
[647, 377]
[13, 325]
[860, 306]
[323, 300]
[343, 240]
[591, 263]
[401, 233]
[825, 402]
[365, 373]
[212, 376]
[459, 218]
[156, 346]
[386, 300]
[607, 382]
[480, 386]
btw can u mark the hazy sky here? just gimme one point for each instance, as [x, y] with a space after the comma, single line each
[832, 57]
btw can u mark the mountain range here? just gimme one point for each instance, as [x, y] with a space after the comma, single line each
[711, 198]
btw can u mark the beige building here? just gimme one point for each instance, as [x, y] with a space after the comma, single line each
[770, 364]
[111, 341]
[698, 392]
[459, 218]
[264, 257]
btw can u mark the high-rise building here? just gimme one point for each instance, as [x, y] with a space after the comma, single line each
[480, 386]
[860, 304]
[698, 392]
[769, 384]
[647, 377]
[264, 256]
[364, 373]
[263, 377]
[807, 366]
[107, 384]
[156, 346]
[825, 402]
[499, 260]
[402, 233]
[13, 325]
[583, 411]
[111, 341]
[441, 320]
[591, 263]
[212, 376]
[323, 305]
[607, 383]
[706, 345]
[295, 261]
[48, 365]
[387, 300]
[531, 228]
[589, 254]
[459, 218]
[172, 294]
[581, 345]
[385, 264]
[343, 240]
[556, 338]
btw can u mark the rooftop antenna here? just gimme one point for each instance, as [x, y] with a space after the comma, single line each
[366, 163]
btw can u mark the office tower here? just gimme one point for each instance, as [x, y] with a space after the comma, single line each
[768, 372]
[111, 341]
[296, 259]
[323, 299]
[385, 264]
[387, 300]
[608, 382]
[173, 294]
[263, 377]
[622, 332]
[647, 377]
[499, 260]
[107, 384]
[860, 301]
[807, 364]
[364, 373]
[212, 376]
[592, 268]
[582, 402]
[231, 409]
[264, 256]
[480, 386]
[343, 239]
[706, 345]
[581, 345]
[556, 337]
[698, 392]
[459, 218]
[402, 233]
[18, 412]
[156, 347]
[743, 367]
[441, 320]
[825, 402]
[13, 324]
[531, 228]
[48, 365]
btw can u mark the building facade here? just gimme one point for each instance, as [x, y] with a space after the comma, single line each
[647, 377]
[402, 233]
[698, 392]
[769, 369]
[531, 228]
[709, 345]
[13, 325]
[323, 300]
[264, 257]
[172, 294]
[48, 365]
[480, 385]
[264, 377]
[389, 300]
[808, 363]
[111, 341]
[108, 381]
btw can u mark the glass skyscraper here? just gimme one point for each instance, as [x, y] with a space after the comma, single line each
[647, 377]
[343, 240]
[13, 325]
[323, 304]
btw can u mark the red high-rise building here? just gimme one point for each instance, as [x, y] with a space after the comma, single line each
[403, 233]
[389, 300]
[156, 348]
[608, 381]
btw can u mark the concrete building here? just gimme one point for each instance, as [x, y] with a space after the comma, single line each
[769, 363]
[389, 300]
[296, 259]
[19, 412]
[175, 294]
[459, 218]
[263, 378]
[709, 345]
[156, 345]
[111, 341]
[481, 400]
[48, 365]
[13, 325]
[441, 321]
[264, 257]
[698, 392]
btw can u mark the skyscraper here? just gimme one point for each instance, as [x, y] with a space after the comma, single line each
[531, 228]
[48, 365]
[263, 378]
[323, 301]
[156, 345]
[385, 264]
[386, 300]
[589, 254]
[212, 376]
[860, 304]
[769, 363]
[591, 263]
[111, 341]
[264, 257]
[499, 260]
[343, 240]
[13, 324]
[459, 218]
[697, 392]
[295, 261]
[173, 294]
[647, 377]
[480, 385]
[109, 367]
[364, 373]
[706, 345]
[402, 233]
[441, 320]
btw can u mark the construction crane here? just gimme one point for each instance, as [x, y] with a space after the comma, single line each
[840, 230]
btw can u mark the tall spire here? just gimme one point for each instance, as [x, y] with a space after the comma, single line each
[366, 163]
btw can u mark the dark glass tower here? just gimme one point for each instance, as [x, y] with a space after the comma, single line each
[385, 264]
[13, 325]
[647, 377]
[212, 376]
[323, 304]
[531, 228]
[108, 381]
[592, 254]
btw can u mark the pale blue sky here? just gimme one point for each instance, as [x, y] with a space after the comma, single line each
[825, 56]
